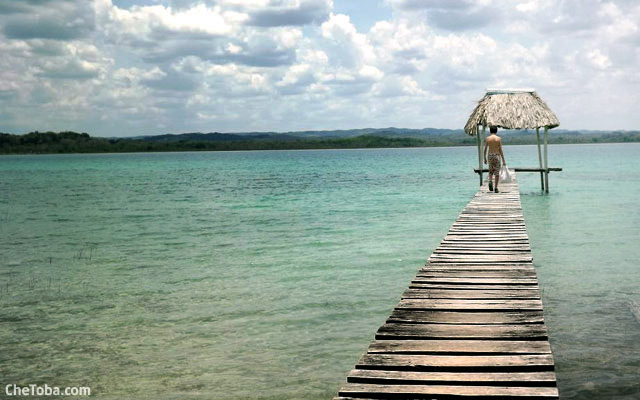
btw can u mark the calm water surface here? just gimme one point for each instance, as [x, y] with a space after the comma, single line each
[263, 275]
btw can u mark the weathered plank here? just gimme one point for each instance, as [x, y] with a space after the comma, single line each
[452, 378]
[471, 265]
[437, 391]
[477, 273]
[454, 251]
[491, 258]
[466, 331]
[542, 362]
[471, 305]
[482, 244]
[470, 287]
[479, 281]
[430, 293]
[450, 317]
[442, 392]
[435, 346]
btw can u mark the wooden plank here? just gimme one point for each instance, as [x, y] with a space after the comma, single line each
[400, 362]
[488, 230]
[522, 257]
[491, 231]
[547, 378]
[481, 257]
[470, 287]
[438, 392]
[513, 222]
[470, 265]
[480, 243]
[487, 233]
[494, 239]
[470, 305]
[430, 269]
[470, 261]
[489, 225]
[479, 281]
[450, 317]
[485, 251]
[476, 273]
[442, 270]
[507, 205]
[493, 222]
[448, 331]
[488, 218]
[491, 247]
[485, 267]
[434, 346]
[429, 293]
[443, 247]
[516, 237]
[485, 254]
[436, 264]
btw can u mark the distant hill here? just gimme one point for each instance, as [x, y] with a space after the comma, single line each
[295, 135]
[73, 142]
[445, 135]
[214, 137]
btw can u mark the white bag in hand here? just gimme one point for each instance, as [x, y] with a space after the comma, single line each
[505, 175]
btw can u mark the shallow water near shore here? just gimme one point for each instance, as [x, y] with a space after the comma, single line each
[264, 275]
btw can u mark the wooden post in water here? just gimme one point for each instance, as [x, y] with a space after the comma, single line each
[480, 153]
[540, 158]
[484, 134]
[546, 160]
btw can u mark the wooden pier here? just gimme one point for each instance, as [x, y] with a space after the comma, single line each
[471, 323]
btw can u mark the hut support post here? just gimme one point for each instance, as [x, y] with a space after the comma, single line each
[540, 158]
[546, 160]
[480, 153]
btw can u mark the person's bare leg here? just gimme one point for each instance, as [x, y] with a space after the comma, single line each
[497, 178]
[489, 178]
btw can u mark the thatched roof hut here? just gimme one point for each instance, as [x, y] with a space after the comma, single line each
[511, 109]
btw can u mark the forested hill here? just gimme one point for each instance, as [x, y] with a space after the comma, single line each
[72, 142]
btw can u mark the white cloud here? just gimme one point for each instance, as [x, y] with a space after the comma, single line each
[146, 20]
[598, 59]
[349, 47]
[528, 6]
[297, 64]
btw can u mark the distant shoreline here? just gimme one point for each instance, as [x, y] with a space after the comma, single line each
[345, 149]
[82, 143]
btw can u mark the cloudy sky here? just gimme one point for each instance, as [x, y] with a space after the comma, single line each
[131, 67]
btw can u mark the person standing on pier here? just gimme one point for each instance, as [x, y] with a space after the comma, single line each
[493, 144]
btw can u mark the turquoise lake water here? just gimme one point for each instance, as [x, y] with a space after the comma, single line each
[264, 275]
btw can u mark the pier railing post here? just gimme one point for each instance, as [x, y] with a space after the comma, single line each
[546, 160]
[480, 152]
[540, 158]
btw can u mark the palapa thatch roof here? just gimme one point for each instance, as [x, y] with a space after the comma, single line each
[511, 109]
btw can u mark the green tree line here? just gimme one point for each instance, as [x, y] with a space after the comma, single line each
[73, 142]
